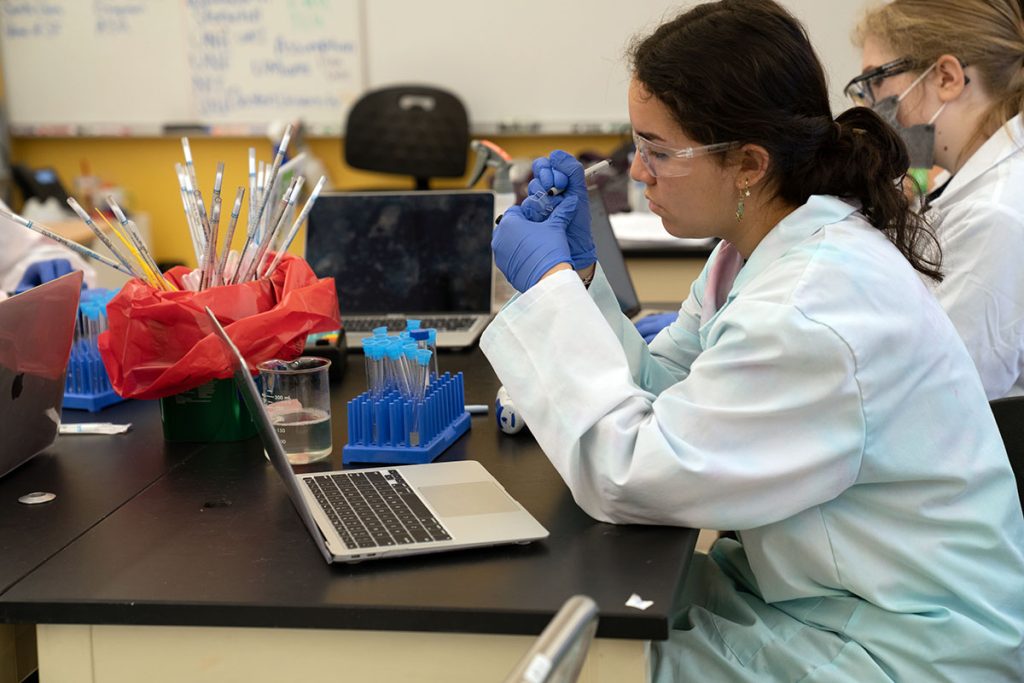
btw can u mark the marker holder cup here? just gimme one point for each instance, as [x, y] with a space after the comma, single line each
[210, 412]
[383, 430]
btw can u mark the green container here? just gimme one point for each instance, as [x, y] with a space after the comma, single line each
[211, 412]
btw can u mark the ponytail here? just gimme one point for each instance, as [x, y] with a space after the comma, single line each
[863, 159]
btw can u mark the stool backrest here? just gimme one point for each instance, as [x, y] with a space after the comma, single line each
[415, 130]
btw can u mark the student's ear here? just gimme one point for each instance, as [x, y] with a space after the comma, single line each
[951, 77]
[752, 167]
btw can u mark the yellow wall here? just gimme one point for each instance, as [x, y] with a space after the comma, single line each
[145, 168]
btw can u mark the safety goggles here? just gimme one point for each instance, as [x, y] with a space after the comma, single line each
[861, 89]
[670, 162]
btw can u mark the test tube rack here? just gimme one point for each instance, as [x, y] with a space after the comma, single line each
[86, 385]
[379, 429]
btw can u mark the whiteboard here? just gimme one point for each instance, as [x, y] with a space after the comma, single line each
[137, 66]
[232, 66]
[542, 66]
[528, 66]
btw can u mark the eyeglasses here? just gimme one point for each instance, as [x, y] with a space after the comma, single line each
[669, 162]
[861, 89]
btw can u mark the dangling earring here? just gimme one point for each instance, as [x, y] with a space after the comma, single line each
[741, 205]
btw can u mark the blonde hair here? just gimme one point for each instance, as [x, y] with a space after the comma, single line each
[985, 34]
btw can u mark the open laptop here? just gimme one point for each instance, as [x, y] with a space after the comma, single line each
[363, 514]
[399, 255]
[613, 263]
[36, 331]
[558, 654]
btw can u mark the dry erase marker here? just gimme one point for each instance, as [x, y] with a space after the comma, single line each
[589, 171]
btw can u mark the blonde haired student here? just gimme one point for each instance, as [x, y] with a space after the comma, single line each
[949, 75]
[811, 394]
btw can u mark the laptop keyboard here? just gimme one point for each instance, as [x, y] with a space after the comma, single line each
[445, 323]
[375, 509]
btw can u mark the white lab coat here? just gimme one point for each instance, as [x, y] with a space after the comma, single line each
[21, 248]
[979, 220]
[829, 412]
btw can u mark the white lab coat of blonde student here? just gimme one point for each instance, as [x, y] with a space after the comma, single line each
[956, 68]
[22, 248]
[979, 220]
[823, 405]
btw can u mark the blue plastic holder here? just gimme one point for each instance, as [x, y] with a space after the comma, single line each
[379, 431]
[86, 385]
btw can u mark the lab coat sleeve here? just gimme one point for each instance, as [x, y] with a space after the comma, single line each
[651, 369]
[678, 344]
[983, 289]
[11, 275]
[741, 442]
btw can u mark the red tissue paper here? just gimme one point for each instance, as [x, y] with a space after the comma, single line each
[162, 343]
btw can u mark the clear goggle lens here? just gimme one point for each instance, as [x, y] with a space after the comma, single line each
[671, 162]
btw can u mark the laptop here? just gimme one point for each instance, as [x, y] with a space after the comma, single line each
[558, 654]
[613, 263]
[398, 255]
[36, 331]
[364, 514]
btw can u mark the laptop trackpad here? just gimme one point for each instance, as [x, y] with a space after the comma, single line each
[472, 498]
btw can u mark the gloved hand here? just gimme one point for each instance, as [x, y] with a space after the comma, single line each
[43, 271]
[562, 171]
[650, 325]
[525, 250]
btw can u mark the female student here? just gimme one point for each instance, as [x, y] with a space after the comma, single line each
[811, 394]
[950, 77]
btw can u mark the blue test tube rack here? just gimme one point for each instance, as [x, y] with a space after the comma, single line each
[443, 419]
[86, 385]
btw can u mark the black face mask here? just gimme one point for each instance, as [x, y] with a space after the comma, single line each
[919, 139]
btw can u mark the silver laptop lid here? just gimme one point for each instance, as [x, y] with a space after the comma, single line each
[404, 252]
[36, 331]
[271, 442]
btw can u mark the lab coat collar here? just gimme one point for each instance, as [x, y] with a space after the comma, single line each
[1006, 141]
[817, 212]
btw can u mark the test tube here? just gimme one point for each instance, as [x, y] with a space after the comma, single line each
[420, 368]
[432, 347]
[393, 366]
[423, 357]
[367, 342]
[422, 339]
[409, 368]
[408, 363]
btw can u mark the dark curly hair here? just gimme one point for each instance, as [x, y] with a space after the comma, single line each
[744, 70]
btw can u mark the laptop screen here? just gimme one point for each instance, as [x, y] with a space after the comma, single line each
[404, 252]
[610, 256]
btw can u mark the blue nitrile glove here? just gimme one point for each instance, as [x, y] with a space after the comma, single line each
[561, 170]
[650, 325]
[524, 250]
[43, 271]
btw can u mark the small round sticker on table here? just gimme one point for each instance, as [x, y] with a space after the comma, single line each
[37, 497]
